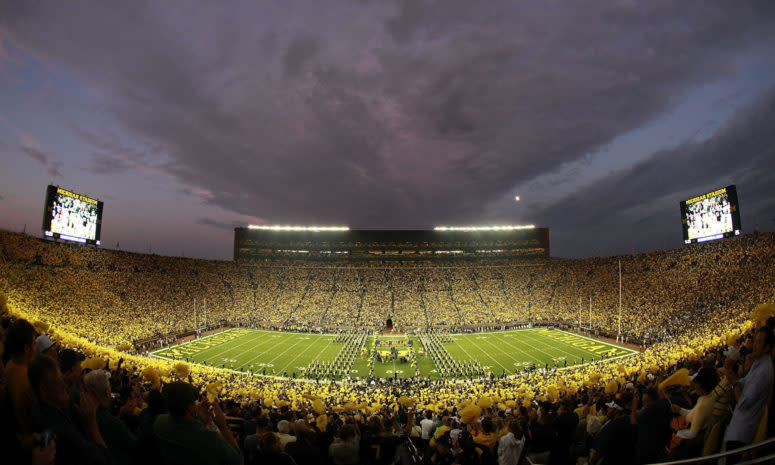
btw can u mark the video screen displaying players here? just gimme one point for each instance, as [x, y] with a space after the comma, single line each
[711, 216]
[72, 216]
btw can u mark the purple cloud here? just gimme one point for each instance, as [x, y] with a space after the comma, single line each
[399, 114]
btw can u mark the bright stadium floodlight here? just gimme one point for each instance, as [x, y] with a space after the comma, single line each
[483, 228]
[298, 228]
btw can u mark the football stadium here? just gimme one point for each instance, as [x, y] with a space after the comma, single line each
[395, 232]
[473, 327]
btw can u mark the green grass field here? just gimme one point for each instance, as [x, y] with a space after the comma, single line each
[277, 353]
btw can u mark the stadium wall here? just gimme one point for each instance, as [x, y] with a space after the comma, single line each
[250, 244]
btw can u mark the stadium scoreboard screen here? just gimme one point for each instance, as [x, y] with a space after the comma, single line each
[710, 216]
[72, 217]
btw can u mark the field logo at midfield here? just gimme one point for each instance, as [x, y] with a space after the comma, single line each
[583, 343]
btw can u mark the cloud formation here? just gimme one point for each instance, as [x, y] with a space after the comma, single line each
[399, 114]
[644, 209]
[218, 224]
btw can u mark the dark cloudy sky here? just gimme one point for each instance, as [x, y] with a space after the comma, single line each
[187, 118]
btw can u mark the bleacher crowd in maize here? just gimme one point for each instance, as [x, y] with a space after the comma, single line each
[702, 385]
[121, 297]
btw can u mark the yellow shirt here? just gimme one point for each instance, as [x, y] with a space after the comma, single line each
[698, 416]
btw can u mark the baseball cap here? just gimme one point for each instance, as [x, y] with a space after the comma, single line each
[179, 396]
[43, 343]
[68, 358]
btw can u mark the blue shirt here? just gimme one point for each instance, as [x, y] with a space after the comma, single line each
[757, 385]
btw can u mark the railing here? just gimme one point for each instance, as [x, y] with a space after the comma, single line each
[765, 451]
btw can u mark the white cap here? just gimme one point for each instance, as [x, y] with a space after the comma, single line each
[43, 343]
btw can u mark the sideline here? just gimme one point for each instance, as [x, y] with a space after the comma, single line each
[600, 341]
[181, 344]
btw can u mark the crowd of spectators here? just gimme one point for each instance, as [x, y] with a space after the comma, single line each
[71, 397]
[59, 408]
[116, 298]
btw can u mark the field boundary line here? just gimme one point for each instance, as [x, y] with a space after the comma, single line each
[274, 358]
[560, 348]
[523, 351]
[488, 355]
[236, 357]
[250, 334]
[181, 344]
[506, 354]
[331, 340]
[219, 346]
[597, 361]
[601, 342]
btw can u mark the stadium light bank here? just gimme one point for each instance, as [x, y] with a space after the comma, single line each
[483, 228]
[299, 228]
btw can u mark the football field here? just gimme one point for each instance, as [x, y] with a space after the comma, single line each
[276, 353]
[515, 350]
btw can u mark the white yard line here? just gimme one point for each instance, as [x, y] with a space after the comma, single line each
[595, 354]
[331, 340]
[251, 339]
[540, 350]
[175, 346]
[253, 347]
[521, 350]
[558, 347]
[508, 355]
[597, 361]
[488, 355]
[600, 341]
[208, 349]
[273, 359]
